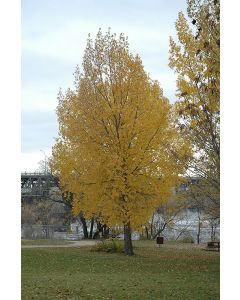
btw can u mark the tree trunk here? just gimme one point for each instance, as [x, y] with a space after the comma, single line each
[91, 228]
[96, 235]
[47, 231]
[128, 248]
[160, 230]
[151, 228]
[85, 231]
[146, 230]
[213, 231]
[105, 231]
[98, 231]
[199, 229]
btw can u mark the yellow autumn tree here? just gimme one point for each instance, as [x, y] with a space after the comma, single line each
[116, 138]
[196, 60]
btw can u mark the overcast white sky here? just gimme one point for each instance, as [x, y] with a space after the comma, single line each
[54, 34]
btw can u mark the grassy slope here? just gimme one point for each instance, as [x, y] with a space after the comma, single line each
[171, 272]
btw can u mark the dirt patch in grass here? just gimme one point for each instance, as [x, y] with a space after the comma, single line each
[45, 242]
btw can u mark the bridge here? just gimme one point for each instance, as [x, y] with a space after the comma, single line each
[37, 185]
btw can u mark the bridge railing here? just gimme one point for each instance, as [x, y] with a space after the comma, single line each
[35, 173]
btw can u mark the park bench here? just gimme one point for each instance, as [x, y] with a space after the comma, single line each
[213, 245]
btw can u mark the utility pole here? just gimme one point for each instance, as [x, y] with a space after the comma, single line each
[45, 162]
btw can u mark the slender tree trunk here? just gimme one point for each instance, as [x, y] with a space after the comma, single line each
[142, 234]
[160, 230]
[198, 234]
[99, 230]
[47, 231]
[199, 229]
[128, 248]
[183, 230]
[91, 228]
[151, 228]
[85, 231]
[96, 235]
[157, 234]
[105, 231]
[146, 230]
[213, 231]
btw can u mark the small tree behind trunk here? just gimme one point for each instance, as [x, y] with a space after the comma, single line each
[128, 248]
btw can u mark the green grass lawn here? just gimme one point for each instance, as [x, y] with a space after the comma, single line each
[174, 271]
[45, 242]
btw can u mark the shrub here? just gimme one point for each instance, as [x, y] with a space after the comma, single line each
[110, 245]
[187, 239]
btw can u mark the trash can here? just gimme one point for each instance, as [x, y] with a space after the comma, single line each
[159, 240]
